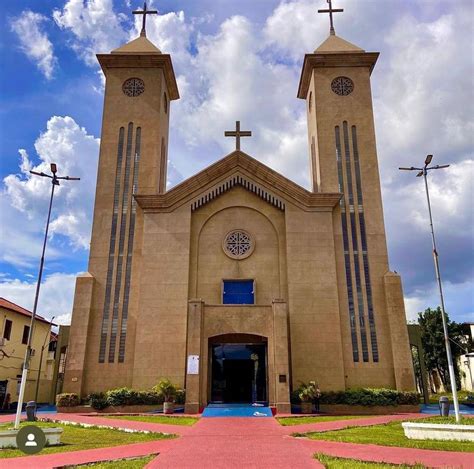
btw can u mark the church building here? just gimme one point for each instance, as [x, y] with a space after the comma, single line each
[238, 284]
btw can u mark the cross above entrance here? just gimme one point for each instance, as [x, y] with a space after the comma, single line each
[237, 133]
[331, 10]
[144, 12]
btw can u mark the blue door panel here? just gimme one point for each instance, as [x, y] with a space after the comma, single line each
[238, 292]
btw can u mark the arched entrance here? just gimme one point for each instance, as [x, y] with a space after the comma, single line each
[238, 368]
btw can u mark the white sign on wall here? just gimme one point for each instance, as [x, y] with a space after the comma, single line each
[193, 364]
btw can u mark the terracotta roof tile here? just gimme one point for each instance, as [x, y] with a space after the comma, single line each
[4, 303]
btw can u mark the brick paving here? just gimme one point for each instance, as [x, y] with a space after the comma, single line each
[236, 442]
[242, 443]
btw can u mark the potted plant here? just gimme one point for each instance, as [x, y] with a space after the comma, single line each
[167, 390]
[308, 393]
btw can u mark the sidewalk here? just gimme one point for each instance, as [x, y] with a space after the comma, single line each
[241, 443]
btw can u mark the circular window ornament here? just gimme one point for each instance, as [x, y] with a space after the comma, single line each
[133, 87]
[238, 244]
[342, 86]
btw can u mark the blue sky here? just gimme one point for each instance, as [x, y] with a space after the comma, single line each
[236, 60]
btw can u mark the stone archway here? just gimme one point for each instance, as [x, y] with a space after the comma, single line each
[238, 369]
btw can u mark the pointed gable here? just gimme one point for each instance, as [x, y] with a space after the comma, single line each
[237, 169]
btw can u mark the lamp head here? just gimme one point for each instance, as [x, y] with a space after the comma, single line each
[54, 168]
[428, 159]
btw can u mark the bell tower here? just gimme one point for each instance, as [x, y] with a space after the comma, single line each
[335, 82]
[139, 87]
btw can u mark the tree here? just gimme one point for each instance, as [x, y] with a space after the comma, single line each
[432, 338]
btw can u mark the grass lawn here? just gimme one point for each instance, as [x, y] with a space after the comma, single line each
[157, 419]
[390, 434]
[341, 463]
[286, 421]
[434, 398]
[75, 438]
[136, 463]
[446, 420]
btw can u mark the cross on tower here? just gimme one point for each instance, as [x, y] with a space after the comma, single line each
[331, 10]
[237, 133]
[144, 12]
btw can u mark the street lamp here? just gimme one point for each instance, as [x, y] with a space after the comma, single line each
[424, 172]
[54, 182]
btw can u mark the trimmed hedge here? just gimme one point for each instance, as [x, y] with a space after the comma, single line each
[98, 400]
[126, 396]
[117, 397]
[365, 397]
[68, 400]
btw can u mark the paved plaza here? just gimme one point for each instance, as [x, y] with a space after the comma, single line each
[239, 442]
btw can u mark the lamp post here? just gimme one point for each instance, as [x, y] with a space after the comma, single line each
[26, 365]
[48, 334]
[424, 172]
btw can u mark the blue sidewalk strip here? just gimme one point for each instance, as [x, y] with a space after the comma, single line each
[236, 410]
[433, 409]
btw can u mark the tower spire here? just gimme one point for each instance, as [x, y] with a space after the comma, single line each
[331, 10]
[144, 12]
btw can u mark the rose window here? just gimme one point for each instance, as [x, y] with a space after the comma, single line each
[133, 87]
[342, 86]
[238, 244]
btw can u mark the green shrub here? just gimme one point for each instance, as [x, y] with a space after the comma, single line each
[308, 392]
[166, 389]
[149, 398]
[67, 400]
[121, 396]
[364, 397]
[180, 397]
[98, 400]
[370, 397]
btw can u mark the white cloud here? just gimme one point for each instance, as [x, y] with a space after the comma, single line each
[26, 197]
[95, 26]
[34, 41]
[230, 78]
[169, 32]
[421, 99]
[294, 28]
[458, 301]
[56, 295]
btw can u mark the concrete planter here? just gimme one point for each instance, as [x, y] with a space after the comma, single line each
[123, 409]
[8, 437]
[168, 407]
[344, 409]
[306, 407]
[438, 431]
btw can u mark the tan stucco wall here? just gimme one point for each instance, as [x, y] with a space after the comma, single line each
[160, 343]
[238, 209]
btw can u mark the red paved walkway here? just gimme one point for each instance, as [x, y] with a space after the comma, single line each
[238, 442]
[241, 443]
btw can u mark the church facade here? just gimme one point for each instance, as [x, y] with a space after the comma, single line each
[238, 284]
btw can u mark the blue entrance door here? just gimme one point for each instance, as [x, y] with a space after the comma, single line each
[238, 292]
